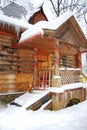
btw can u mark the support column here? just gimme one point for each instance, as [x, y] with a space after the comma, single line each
[56, 78]
[79, 64]
[78, 58]
[35, 67]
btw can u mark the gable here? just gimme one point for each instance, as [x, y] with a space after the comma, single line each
[70, 32]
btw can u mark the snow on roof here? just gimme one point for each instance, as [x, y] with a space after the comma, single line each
[54, 24]
[15, 22]
[31, 33]
[38, 3]
[49, 12]
[38, 27]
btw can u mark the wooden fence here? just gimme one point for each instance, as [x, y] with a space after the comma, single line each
[45, 77]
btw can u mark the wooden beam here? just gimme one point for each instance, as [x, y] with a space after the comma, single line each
[8, 34]
[44, 44]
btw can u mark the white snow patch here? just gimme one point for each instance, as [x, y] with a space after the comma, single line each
[49, 12]
[13, 21]
[17, 118]
[54, 24]
[29, 98]
[32, 31]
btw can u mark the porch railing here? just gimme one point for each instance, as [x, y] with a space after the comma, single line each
[45, 77]
[70, 75]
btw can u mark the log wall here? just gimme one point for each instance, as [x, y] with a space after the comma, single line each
[68, 61]
[65, 61]
[16, 67]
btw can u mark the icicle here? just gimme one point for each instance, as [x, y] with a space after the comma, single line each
[17, 30]
[3, 24]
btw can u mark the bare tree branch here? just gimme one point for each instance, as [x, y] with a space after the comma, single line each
[54, 7]
[78, 7]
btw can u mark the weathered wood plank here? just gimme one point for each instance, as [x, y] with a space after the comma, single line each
[39, 103]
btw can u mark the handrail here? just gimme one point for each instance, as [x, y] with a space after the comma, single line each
[45, 77]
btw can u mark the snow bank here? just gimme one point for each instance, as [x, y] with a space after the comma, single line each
[29, 98]
[72, 118]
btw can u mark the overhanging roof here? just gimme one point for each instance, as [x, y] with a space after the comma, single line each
[43, 44]
[47, 45]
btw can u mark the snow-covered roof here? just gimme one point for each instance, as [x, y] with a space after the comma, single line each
[13, 21]
[48, 10]
[40, 26]
[54, 24]
[31, 33]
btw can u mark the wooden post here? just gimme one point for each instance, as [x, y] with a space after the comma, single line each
[78, 58]
[83, 94]
[67, 97]
[57, 101]
[56, 55]
[56, 79]
[35, 67]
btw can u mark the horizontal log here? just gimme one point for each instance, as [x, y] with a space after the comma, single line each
[5, 63]
[13, 76]
[5, 42]
[17, 71]
[9, 56]
[25, 60]
[4, 53]
[26, 71]
[8, 84]
[16, 62]
[27, 56]
[4, 35]
[7, 76]
[8, 65]
[25, 64]
[25, 52]
[7, 81]
[8, 51]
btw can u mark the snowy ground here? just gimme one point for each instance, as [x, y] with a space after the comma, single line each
[17, 118]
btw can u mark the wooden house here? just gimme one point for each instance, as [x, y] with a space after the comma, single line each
[41, 60]
[57, 52]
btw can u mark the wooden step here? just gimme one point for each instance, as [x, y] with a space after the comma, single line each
[39, 103]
